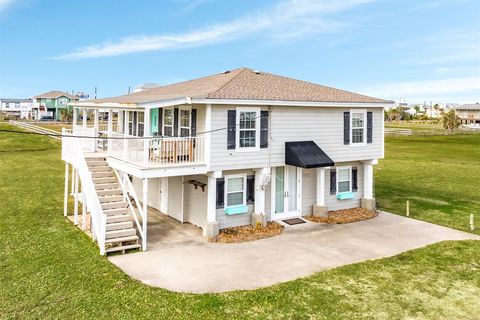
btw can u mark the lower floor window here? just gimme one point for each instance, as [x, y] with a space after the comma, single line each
[235, 190]
[344, 180]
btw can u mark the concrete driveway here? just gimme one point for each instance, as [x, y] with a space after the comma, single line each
[180, 260]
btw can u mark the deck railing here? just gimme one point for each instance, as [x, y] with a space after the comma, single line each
[158, 152]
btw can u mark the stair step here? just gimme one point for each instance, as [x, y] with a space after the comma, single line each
[103, 174]
[121, 239]
[109, 192]
[96, 162]
[115, 212]
[119, 225]
[102, 180]
[118, 218]
[114, 205]
[122, 248]
[95, 159]
[114, 198]
[115, 234]
[108, 185]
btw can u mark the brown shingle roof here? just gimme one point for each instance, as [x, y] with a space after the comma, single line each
[54, 95]
[245, 84]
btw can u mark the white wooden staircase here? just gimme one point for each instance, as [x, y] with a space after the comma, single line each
[120, 232]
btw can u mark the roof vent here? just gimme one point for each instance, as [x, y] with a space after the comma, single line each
[257, 72]
[226, 71]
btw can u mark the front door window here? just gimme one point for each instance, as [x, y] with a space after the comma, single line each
[286, 191]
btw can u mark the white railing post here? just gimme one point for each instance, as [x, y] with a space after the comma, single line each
[75, 212]
[109, 129]
[125, 135]
[65, 200]
[145, 213]
[146, 135]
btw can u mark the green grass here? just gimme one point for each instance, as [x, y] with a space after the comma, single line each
[439, 175]
[49, 269]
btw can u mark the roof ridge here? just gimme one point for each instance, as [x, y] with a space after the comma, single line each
[242, 69]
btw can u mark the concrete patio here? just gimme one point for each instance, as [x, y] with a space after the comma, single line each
[179, 259]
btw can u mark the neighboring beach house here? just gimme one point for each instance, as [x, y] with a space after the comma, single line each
[235, 148]
[469, 113]
[50, 103]
[18, 108]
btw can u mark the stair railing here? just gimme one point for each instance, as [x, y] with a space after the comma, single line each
[99, 221]
[127, 189]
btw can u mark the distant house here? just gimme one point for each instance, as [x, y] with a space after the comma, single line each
[50, 103]
[19, 108]
[469, 113]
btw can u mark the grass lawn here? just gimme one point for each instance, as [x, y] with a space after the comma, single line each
[49, 269]
[439, 175]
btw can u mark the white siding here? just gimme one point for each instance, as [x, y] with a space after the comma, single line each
[195, 207]
[322, 125]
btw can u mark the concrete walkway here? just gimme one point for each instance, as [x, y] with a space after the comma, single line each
[179, 259]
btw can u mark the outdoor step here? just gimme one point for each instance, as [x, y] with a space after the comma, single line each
[98, 168]
[103, 174]
[95, 159]
[123, 248]
[115, 212]
[115, 198]
[120, 233]
[121, 239]
[118, 218]
[103, 180]
[109, 185]
[114, 205]
[109, 192]
[96, 162]
[119, 225]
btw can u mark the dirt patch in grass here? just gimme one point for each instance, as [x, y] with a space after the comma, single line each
[247, 233]
[344, 216]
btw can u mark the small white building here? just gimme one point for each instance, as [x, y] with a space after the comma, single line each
[20, 108]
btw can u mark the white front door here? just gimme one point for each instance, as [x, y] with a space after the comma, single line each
[286, 192]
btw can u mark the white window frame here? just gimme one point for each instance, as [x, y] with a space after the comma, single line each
[364, 112]
[62, 101]
[349, 168]
[257, 129]
[173, 121]
[225, 196]
[189, 109]
[142, 122]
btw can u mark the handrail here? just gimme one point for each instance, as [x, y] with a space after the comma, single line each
[33, 128]
[132, 211]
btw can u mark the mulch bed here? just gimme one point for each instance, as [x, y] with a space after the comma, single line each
[247, 233]
[344, 216]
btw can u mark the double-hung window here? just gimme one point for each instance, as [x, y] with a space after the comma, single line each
[140, 124]
[344, 179]
[168, 122]
[185, 122]
[358, 127]
[235, 190]
[136, 123]
[248, 121]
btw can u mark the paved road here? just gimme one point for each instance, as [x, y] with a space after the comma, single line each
[180, 260]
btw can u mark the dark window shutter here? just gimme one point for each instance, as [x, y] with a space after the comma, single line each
[232, 129]
[354, 179]
[160, 121]
[333, 182]
[369, 127]
[135, 122]
[175, 122]
[250, 189]
[220, 193]
[193, 132]
[346, 128]
[263, 129]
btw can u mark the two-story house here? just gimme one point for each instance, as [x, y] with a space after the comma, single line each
[468, 113]
[235, 148]
[50, 103]
[18, 108]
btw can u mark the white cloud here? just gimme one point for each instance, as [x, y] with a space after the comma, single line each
[466, 87]
[4, 4]
[290, 18]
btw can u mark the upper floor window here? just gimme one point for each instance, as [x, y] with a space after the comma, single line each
[185, 122]
[62, 101]
[168, 122]
[248, 128]
[136, 123]
[358, 126]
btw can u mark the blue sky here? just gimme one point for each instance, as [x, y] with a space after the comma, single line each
[414, 50]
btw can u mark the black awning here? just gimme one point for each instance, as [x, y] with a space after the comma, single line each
[306, 154]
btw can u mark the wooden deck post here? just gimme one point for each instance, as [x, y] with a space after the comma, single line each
[145, 213]
[65, 199]
[75, 212]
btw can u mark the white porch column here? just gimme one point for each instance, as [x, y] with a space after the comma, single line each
[65, 199]
[84, 117]
[75, 212]
[320, 209]
[95, 119]
[368, 202]
[120, 122]
[145, 213]
[211, 227]
[259, 215]
[75, 116]
[125, 134]
[146, 134]
[73, 180]
[110, 129]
